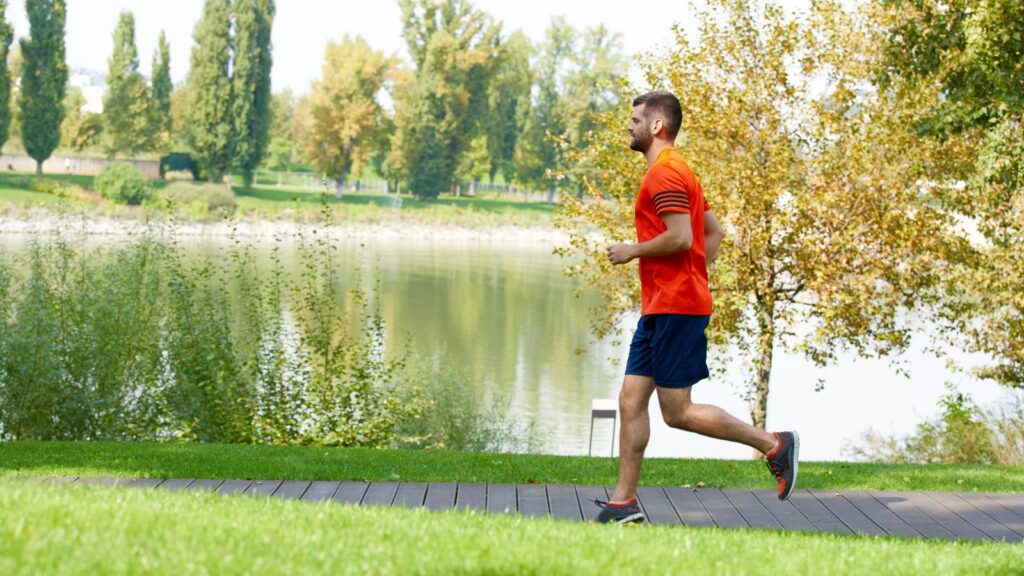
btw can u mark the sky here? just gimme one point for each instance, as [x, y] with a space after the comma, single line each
[303, 28]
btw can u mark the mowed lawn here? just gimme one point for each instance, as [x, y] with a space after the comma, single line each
[60, 529]
[194, 460]
[20, 190]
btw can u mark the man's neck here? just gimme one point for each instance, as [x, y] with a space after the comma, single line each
[655, 150]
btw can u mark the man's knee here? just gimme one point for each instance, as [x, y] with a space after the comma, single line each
[632, 403]
[680, 417]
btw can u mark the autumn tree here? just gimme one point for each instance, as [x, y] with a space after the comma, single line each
[345, 117]
[972, 52]
[830, 236]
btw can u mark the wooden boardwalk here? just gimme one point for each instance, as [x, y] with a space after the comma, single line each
[943, 515]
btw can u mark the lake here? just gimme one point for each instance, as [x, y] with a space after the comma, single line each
[506, 315]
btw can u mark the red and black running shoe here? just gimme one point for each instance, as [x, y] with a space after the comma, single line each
[783, 461]
[625, 513]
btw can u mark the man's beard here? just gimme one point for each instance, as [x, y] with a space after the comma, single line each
[640, 141]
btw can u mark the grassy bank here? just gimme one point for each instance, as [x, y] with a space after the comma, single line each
[195, 460]
[93, 530]
[20, 192]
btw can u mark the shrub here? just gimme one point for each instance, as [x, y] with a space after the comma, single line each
[201, 198]
[122, 183]
[962, 434]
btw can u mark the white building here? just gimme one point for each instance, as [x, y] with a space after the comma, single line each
[91, 90]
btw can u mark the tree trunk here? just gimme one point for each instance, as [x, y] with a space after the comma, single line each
[339, 187]
[39, 168]
[763, 369]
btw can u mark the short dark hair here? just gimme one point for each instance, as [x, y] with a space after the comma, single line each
[666, 104]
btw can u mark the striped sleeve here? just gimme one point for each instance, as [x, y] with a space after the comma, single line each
[669, 190]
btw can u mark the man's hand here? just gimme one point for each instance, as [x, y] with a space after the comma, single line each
[620, 253]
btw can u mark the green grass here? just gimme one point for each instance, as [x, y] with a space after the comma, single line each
[96, 530]
[17, 190]
[130, 459]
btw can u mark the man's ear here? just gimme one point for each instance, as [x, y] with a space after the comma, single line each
[657, 125]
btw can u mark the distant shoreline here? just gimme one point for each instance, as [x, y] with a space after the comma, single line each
[269, 230]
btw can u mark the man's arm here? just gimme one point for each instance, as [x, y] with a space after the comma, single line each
[713, 234]
[677, 237]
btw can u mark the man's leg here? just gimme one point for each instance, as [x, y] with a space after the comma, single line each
[708, 420]
[634, 433]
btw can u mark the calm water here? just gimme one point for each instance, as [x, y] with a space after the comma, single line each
[508, 317]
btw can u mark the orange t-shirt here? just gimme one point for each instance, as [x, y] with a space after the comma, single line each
[676, 283]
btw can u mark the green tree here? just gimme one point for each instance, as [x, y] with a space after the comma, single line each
[162, 87]
[454, 48]
[972, 50]
[830, 237]
[209, 109]
[127, 109]
[6, 36]
[44, 75]
[508, 104]
[79, 130]
[252, 60]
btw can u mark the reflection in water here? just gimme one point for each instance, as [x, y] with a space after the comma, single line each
[508, 318]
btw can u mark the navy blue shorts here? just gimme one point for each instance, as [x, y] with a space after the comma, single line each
[671, 348]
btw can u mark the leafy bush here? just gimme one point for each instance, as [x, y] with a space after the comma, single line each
[962, 434]
[201, 199]
[122, 183]
[455, 418]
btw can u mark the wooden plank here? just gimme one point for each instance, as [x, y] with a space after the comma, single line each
[471, 496]
[899, 504]
[586, 496]
[691, 511]
[656, 505]
[501, 499]
[995, 510]
[206, 485]
[943, 516]
[971, 515]
[176, 484]
[293, 489]
[410, 494]
[1012, 502]
[532, 499]
[380, 493]
[262, 487]
[233, 486]
[722, 512]
[879, 514]
[350, 492]
[563, 502]
[816, 512]
[849, 514]
[320, 490]
[99, 481]
[783, 511]
[146, 483]
[440, 496]
[751, 508]
[64, 479]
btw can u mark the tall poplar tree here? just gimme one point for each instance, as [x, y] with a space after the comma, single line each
[253, 60]
[127, 111]
[210, 90]
[6, 35]
[162, 86]
[44, 76]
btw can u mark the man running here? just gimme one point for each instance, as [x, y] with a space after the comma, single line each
[678, 234]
